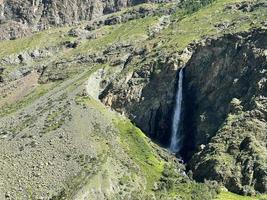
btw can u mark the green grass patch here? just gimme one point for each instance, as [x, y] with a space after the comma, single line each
[137, 146]
[191, 27]
[174, 185]
[135, 30]
[192, 191]
[43, 39]
[131, 30]
[90, 101]
[231, 196]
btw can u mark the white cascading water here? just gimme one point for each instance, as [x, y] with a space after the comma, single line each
[176, 137]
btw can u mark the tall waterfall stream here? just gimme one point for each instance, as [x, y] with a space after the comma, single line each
[176, 137]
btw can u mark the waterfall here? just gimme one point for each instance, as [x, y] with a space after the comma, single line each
[176, 138]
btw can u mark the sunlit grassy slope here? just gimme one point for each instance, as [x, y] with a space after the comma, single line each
[193, 27]
[185, 29]
[232, 196]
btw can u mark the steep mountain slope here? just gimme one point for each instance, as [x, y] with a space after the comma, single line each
[58, 141]
[20, 18]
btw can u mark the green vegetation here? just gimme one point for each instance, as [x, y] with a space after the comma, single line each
[43, 39]
[134, 31]
[232, 196]
[129, 31]
[42, 89]
[191, 6]
[166, 175]
[174, 185]
[89, 101]
[190, 23]
[192, 26]
[137, 146]
[193, 21]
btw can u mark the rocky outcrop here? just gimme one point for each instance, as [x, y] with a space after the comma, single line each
[142, 95]
[146, 95]
[12, 30]
[247, 6]
[1, 72]
[224, 107]
[19, 18]
[225, 111]
[134, 13]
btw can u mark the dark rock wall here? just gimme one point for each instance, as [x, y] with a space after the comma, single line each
[226, 111]
[146, 95]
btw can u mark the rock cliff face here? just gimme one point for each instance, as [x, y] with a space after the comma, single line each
[226, 111]
[224, 107]
[146, 96]
[19, 18]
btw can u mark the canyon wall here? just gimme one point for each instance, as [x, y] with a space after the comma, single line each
[146, 96]
[224, 114]
[225, 111]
